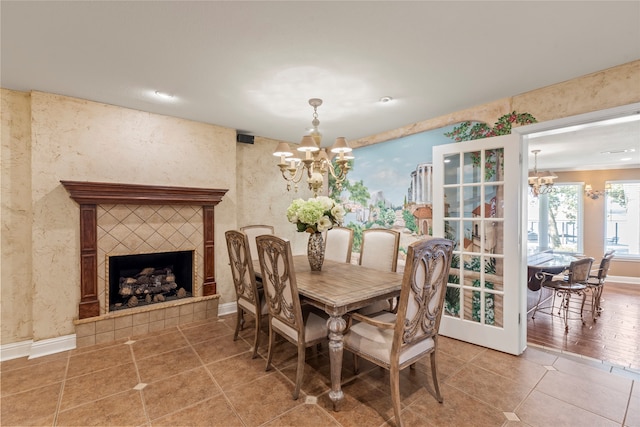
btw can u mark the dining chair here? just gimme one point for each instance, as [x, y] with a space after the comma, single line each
[249, 297]
[595, 283]
[397, 340]
[338, 244]
[573, 283]
[379, 250]
[254, 231]
[303, 328]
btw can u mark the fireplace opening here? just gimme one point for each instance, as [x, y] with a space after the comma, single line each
[143, 279]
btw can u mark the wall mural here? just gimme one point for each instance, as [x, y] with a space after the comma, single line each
[390, 186]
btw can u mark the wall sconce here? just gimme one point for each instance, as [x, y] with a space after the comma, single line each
[595, 194]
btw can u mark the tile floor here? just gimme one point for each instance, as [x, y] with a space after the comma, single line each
[196, 375]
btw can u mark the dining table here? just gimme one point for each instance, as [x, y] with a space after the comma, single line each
[544, 264]
[340, 288]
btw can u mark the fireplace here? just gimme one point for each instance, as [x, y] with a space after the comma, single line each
[137, 219]
[143, 279]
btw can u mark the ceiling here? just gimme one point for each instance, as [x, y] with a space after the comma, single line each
[252, 66]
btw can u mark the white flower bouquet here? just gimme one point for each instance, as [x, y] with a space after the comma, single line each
[316, 214]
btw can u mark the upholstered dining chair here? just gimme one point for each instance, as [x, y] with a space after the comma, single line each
[338, 244]
[249, 298]
[379, 250]
[395, 341]
[286, 316]
[573, 283]
[595, 283]
[254, 231]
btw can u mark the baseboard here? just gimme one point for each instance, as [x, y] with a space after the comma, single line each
[15, 350]
[227, 308]
[624, 279]
[36, 349]
[52, 345]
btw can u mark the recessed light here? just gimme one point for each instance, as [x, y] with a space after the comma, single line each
[164, 95]
[386, 99]
[625, 159]
[624, 150]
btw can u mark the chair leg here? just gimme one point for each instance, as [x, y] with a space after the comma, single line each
[394, 376]
[356, 364]
[239, 322]
[299, 370]
[584, 297]
[256, 340]
[533, 316]
[434, 375]
[270, 351]
[564, 305]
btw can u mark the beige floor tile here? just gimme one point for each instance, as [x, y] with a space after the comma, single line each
[220, 348]
[364, 404]
[304, 416]
[541, 410]
[34, 376]
[515, 368]
[584, 393]
[123, 409]
[495, 390]
[160, 342]
[457, 409]
[29, 407]
[159, 366]
[213, 412]
[97, 385]
[262, 400]
[205, 331]
[540, 356]
[460, 349]
[237, 370]
[24, 362]
[173, 393]
[599, 375]
[633, 411]
[86, 362]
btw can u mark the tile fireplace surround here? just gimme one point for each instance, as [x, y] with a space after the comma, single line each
[127, 219]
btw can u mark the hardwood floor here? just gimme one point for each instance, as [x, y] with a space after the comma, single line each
[614, 337]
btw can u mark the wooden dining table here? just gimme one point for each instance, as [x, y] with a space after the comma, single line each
[338, 289]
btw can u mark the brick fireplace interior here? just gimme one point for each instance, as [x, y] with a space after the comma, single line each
[129, 226]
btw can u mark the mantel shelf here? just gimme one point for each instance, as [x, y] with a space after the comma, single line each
[95, 193]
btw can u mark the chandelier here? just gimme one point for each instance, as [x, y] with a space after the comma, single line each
[540, 182]
[316, 162]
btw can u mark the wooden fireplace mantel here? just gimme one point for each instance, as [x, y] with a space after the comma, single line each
[91, 194]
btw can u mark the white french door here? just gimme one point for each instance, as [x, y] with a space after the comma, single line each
[477, 203]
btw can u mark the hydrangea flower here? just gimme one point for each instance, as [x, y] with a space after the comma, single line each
[316, 214]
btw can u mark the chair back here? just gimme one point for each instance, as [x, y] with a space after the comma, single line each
[244, 278]
[379, 249]
[280, 287]
[579, 270]
[424, 285]
[254, 231]
[605, 263]
[337, 247]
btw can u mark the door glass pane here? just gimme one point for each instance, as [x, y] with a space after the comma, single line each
[451, 202]
[472, 308]
[472, 201]
[452, 299]
[472, 169]
[452, 232]
[493, 305]
[494, 165]
[493, 273]
[493, 194]
[451, 169]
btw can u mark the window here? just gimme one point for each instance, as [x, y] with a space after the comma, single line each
[555, 220]
[622, 202]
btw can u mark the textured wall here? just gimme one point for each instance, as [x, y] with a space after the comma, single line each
[80, 140]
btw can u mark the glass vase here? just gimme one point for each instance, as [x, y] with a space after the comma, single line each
[315, 251]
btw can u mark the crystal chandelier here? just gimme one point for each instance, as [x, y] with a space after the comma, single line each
[540, 182]
[316, 162]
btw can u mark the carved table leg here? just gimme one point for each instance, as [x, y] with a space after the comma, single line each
[336, 325]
